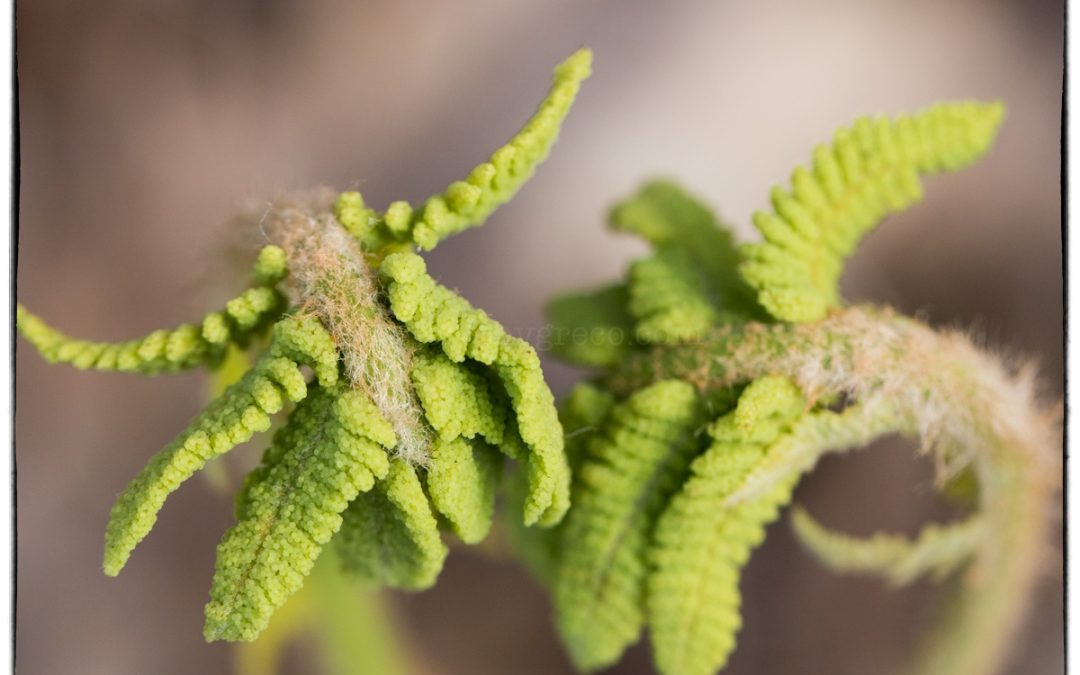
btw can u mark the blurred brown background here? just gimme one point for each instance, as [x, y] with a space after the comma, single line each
[145, 124]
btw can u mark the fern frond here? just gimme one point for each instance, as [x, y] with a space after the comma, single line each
[937, 550]
[814, 435]
[699, 547]
[334, 447]
[231, 419]
[868, 172]
[457, 398]
[468, 203]
[461, 482]
[667, 216]
[434, 313]
[390, 534]
[591, 328]
[630, 469]
[668, 298]
[166, 351]
[518, 367]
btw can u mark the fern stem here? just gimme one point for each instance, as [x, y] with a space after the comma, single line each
[966, 406]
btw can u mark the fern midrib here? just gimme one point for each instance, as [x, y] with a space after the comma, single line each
[283, 491]
[640, 502]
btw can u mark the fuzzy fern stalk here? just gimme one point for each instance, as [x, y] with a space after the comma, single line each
[729, 371]
[725, 372]
[401, 398]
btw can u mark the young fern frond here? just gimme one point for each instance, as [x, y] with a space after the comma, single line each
[630, 469]
[814, 435]
[868, 172]
[416, 393]
[700, 547]
[435, 314]
[187, 346]
[390, 534]
[334, 447]
[468, 203]
[937, 550]
[243, 410]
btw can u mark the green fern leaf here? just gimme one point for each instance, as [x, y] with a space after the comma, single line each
[390, 534]
[668, 217]
[333, 448]
[165, 351]
[668, 298]
[231, 419]
[937, 550]
[434, 313]
[812, 436]
[869, 171]
[468, 203]
[699, 547]
[458, 400]
[631, 468]
[461, 480]
[591, 328]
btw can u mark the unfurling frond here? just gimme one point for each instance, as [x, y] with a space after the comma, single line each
[868, 172]
[593, 328]
[390, 534]
[937, 550]
[468, 203]
[630, 469]
[334, 447]
[435, 314]
[164, 351]
[700, 547]
[243, 410]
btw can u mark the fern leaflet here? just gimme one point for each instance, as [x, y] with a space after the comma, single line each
[869, 171]
[937, 550]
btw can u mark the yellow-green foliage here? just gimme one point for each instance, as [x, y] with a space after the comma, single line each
[468, 203]
[188, 346]
[689, 285]
[333, 448]
[937, 550]
[868, 172]
[461, 480]
[390, 535]
[668, 217]
[668, 297]
[630, 469]
[242, 410]
[435, 314]
[700, 547]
